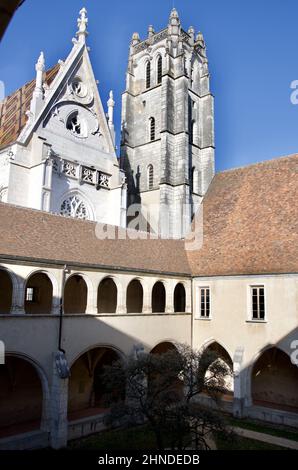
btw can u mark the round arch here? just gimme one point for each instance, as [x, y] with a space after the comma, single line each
[134, 296]
[75, 295]
[6, 291]
[39, 290]
[158, 296]
[179, 297]
[107, 295]
[24, 395]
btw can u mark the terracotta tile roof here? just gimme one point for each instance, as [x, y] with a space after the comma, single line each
[13, 109]
[29, 233]
[250, 227]
[250, 221]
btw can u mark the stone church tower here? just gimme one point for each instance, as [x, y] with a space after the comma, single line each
[167, 147]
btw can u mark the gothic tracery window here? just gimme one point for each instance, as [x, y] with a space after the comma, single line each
[73, 123]
[73, 206]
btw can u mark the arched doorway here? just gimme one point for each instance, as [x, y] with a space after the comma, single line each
[164, 348]
[179, 298]
[38, 294]
[87, 392]
[107, 296]
[6, 288]
[274, 381]
[225, 378]
[134, 297]
[158, 298]
[20, 397]
[75, 295]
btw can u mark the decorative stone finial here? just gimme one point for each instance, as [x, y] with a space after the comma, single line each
[135, 39]
[82, 25]
[38, 93]
[40, 64]
[174, 23]
[150, 31]
[174, 13]
[200, 39]
[111, 104]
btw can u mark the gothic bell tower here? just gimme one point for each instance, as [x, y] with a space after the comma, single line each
[167, 145]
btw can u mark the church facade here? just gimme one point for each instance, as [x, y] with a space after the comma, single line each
[80, 287]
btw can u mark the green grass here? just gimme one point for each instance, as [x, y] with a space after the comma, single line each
[141, 438]
[243, 443]
[133, 439]
[273, 430]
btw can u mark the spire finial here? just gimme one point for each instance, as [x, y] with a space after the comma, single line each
[150, 31]
[111, 104]
[38, 93]
[82, 25]
[40, 64]
[174, 22]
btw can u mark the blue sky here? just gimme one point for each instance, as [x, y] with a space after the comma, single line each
[252, 49]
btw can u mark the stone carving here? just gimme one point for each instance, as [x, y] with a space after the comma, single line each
[74, 207]
[69, 169]
[88, 175]
[104, 180]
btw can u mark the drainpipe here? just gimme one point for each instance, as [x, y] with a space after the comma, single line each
[61, 312]
[62, 368]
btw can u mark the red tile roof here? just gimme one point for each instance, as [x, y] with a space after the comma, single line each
[250, 227]
[28, 233]
[250, 221]
[13, 109]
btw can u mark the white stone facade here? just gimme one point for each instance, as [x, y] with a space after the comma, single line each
[64, 160]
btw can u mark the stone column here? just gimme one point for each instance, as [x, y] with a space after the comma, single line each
[188, 294]
[147, 299]
[239, 383]
[18, 296]
[169, 297]
[121, 298]
[59, 401]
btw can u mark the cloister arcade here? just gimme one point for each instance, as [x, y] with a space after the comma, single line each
[40, 293]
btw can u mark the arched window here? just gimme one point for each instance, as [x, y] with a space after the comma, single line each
[150, 176]
[152, 128]
[148, 75]
[73, 206]
[159, 69]
[179, 298]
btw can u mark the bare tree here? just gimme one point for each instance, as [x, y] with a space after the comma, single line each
[163, 391]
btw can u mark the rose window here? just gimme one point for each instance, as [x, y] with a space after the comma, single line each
[74, 207]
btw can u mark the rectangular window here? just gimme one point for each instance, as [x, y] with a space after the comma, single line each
[258, 302]
[30, 294]
[205, 302]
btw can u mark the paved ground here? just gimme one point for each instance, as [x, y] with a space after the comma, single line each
[258, 436]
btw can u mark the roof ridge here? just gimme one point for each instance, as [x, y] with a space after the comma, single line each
[263, 162]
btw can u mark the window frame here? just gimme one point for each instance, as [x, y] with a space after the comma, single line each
[251, 317]
[200, 316]
[32, 297]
